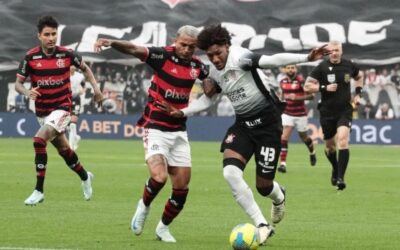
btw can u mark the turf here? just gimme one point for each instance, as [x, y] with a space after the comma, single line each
[364, 216]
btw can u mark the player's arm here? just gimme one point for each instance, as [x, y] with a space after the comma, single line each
[20, 88]
[251, 60]
[293, 97]
[122, 46]
[202, 103]
[311, 85]
[22, 73]
[87, 72]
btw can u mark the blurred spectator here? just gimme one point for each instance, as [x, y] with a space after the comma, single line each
[384, 112]
[366, 111]
[21, 104]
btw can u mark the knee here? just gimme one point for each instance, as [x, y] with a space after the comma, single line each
[265, 190]
[343, 142]
[233, 168]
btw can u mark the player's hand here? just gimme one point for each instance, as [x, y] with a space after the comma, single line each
[168, 108]
[318, 53]
[100, 43]
[34, 93]
[98, 97]
[331, 87]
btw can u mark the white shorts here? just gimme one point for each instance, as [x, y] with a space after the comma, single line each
[173, 145]
[58, 119]
[299, 122]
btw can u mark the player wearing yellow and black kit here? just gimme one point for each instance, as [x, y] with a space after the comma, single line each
[332, 78]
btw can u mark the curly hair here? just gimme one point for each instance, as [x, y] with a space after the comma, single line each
[213, 35]
[48, 21]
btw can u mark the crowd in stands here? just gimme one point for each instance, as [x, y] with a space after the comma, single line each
[125, 88]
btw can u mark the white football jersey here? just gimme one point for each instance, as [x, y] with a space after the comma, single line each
[239, 85]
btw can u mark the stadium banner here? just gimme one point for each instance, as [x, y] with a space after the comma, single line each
[369, 30]
[200, 128]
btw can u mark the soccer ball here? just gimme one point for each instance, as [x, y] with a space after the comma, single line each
[244, 237]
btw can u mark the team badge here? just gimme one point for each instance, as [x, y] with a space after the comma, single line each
[331, 78]
[60, 63]
[230, 138]
[347, 78]
[194, 74]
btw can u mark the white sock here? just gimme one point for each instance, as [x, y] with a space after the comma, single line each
[72, 134]
[243, 194]
[276, 194]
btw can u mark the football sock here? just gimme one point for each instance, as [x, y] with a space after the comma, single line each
[71, 159]
[284, 150]
[243, 194]
[343, 161]
[72, 134]
[174, 205]
[310, 145]
[151, 189]
[333, 160]
[40, 161]
[276, 194]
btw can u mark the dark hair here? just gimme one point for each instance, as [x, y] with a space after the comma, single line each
[213, 35]
[48, 21]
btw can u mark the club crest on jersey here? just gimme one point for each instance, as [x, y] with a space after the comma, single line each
[60, 63]
[331, 78]
[194, 74]
[230, 138]
[347, 78]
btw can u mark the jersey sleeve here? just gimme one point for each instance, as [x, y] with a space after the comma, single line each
[76, 59]
[204, 71]
[24, 69]
[156, 57]
[316, 73]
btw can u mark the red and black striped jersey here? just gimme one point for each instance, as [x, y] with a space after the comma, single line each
[172, 81]
[51, 74]
[294, 86]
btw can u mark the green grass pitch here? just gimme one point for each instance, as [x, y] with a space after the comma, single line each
[364, 216]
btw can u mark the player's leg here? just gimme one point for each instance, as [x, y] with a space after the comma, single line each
[73, 137]
[329, 130]
[288, 125]
[343, 134]
[70, 157]
[287, 131]
[180, 177]
[44, 134]
[155, 147]
[179, 170]
[266, 157]
[302, 128]
[237, 148]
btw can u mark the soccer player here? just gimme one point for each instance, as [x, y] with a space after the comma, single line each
[77, 89]
[258, 127]
[295, 113]
[167, 149]
[332, 78]
[48, 67]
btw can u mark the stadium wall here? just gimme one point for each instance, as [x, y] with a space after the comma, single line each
[199, 128]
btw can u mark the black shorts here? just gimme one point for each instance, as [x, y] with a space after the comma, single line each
[261, 137]
[76, 105]
[330, 123]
